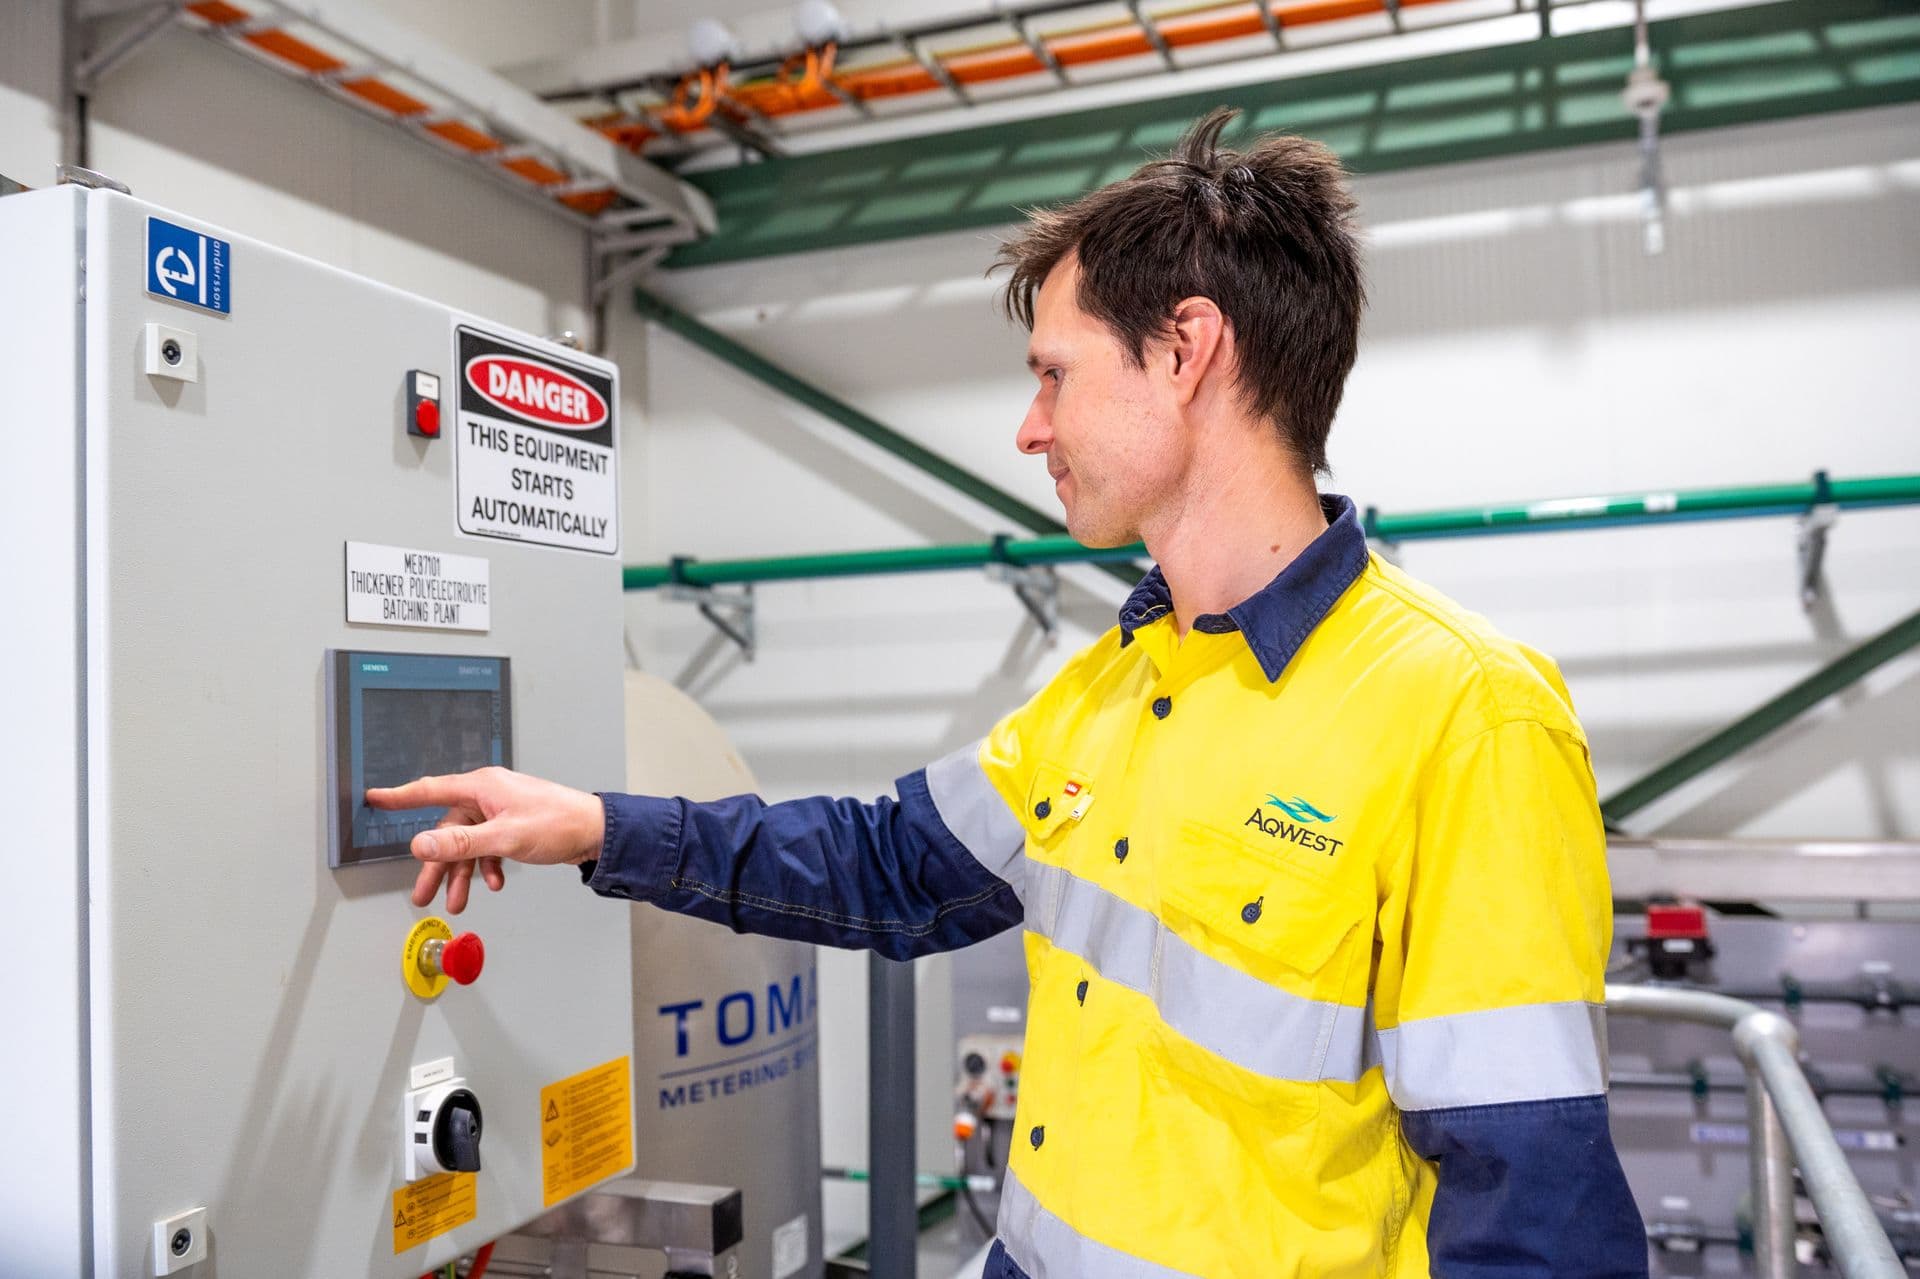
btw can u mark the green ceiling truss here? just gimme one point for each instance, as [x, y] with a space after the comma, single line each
[1764, 62]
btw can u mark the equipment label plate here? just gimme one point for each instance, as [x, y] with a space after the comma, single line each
[428, 1208]
[534, 448]
[397, 586]
[586, 1129]
[186, 266]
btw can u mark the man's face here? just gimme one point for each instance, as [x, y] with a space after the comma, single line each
[1110, 433]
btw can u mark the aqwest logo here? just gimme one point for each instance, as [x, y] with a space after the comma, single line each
[1300, 830]
[536, 391]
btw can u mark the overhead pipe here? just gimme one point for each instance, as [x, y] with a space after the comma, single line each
[1557, 515]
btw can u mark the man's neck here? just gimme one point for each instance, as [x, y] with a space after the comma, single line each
[1233, 532]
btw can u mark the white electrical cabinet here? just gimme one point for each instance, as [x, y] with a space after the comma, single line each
[272, 533]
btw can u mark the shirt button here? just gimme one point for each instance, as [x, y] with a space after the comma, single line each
[1080, 991]
[1042, 808]
[1038, 1135]
[1162, 708]
[1120, 849]
[1251, 911]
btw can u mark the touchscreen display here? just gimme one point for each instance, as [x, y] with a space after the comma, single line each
[397, 716]
[415, 732]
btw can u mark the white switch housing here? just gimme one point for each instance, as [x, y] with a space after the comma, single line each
[193, 1224]
[423, 1108]
[172, 353]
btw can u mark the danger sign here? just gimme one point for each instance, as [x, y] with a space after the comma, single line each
[535, 456]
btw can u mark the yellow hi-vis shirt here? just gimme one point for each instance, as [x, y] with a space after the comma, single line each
[1280, 887]
[1316, 908]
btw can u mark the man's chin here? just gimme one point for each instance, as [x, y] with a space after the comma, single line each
[1098, 535]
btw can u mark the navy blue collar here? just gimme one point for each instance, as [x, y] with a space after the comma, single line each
[1278, 618]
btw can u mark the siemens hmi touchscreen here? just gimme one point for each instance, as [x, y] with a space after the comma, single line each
[392, 717]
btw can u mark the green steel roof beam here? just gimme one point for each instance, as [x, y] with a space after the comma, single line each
[871, 429]
[1847, 669]
[1738, 66]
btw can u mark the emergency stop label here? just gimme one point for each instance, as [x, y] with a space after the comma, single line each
[396, 586]
[535, 457]
[586, 1129]
[428, 1208]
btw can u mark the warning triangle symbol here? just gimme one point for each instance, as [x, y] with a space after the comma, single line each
[553, 1112]
[400, 1218]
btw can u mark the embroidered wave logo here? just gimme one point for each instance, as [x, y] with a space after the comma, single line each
[1298, 827]
[1298, 809]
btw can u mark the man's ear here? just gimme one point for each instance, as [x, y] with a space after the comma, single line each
[1200, 342]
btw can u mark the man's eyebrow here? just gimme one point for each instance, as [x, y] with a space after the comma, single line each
[1036, 360]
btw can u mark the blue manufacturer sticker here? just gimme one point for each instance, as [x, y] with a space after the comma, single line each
[189, 267]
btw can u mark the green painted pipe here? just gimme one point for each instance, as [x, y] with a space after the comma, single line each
[1530, 517]
[722, 347]
[907, 559]
[1847, 669]
[1722, 503]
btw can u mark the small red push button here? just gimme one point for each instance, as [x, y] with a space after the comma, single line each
[426, 417]
[463, 958]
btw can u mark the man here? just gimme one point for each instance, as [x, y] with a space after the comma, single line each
[1309, 859]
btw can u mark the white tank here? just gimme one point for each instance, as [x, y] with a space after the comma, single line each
[726, 1027]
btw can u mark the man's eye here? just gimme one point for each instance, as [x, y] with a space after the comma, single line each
[1052, 375]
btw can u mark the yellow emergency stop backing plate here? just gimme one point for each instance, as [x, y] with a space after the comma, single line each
[428, 929]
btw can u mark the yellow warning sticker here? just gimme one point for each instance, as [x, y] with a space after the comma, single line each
[428, 1208]
[586, 1129]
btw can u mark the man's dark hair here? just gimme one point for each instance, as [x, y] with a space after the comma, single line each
[1267, 234]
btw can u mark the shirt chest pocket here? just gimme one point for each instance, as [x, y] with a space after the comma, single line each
[1247, 909]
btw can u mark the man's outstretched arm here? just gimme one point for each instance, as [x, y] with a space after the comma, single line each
[933, 868]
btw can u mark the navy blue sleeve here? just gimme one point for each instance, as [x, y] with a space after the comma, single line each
[1528, 1190]
[887, 876]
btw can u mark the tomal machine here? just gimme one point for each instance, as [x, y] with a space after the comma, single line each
[275, 534]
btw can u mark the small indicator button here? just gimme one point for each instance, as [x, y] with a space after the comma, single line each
[423, 405]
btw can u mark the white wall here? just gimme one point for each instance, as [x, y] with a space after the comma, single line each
[1518, 346]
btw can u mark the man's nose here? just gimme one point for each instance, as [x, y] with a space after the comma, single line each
[1036, 432]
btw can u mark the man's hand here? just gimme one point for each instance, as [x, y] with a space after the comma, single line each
[493, 815]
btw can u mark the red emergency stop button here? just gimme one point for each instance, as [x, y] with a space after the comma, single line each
[463, 958]
[426, 418]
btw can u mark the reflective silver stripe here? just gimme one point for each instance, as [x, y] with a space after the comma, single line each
[1530, 1052]
[1241, 1018]
[976, 815]
[1048, 1248]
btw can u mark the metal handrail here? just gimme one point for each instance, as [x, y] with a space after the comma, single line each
[1786, 1126]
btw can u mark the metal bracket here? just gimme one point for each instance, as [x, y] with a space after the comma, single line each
[731, 612]
[106, 50]
[1810, 543]
[1036, 586]
[64, 174]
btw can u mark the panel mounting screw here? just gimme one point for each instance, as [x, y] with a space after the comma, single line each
[182, 1241]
